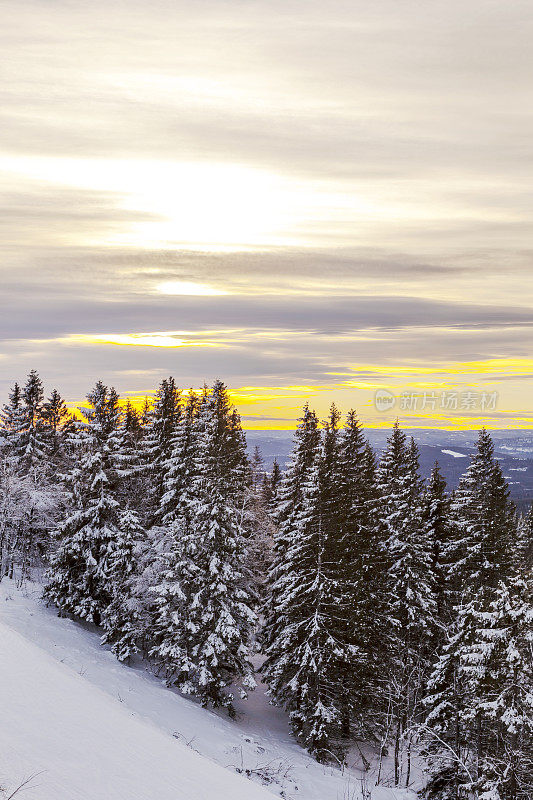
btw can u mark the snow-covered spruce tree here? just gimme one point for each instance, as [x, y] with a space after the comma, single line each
[436, 510]
[121, 618]
[257, 469]
[12, 430]
[480, 552]
[58, 425]
[34, 459]
[257, 525]
[309, 655]
[275, 479]
[157, 442]
[362, 560]
[23, 427]
[344, 506]
[133, 484]
[27, 450]
[445, 739]
[464, 686]
[479, 729]
[269, 488]
[411, 607]
[165, 577]
[289, 509]
[524, 554]
[204, 590]
[498, 669]
[28, 512]
[81, 577]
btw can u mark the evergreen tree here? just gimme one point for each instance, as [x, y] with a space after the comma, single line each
[411, 608]
[363, 571]
[340, 500]
[485, 659]
[498, 668]
[59, 424]
[165, 608]
[480, 552]
[23, 426]
[28, 454]
[307, 636]
[257, 525]
[206, 645]
[290, 505]
[13, 428]
[437, 524]
[121, 617]
[158, 441]
[525, 542]
[275, 478]
[35, 449]
[480, 722]
[444, 734]
[128, 458]
[269, 488]
[81, 574]
[257, 469]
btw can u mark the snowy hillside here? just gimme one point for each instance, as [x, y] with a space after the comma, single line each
[88, 728]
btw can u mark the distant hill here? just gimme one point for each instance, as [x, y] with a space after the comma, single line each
[451, 448]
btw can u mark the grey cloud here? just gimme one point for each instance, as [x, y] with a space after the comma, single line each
[328, 316]
[423, 104]
[374, 91]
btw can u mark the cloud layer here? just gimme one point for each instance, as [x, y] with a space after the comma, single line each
[350, 180]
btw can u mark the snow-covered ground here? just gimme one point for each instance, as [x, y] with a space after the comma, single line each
[454, 453]
[89, 728]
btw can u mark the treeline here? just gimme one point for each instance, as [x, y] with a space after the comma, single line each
[387, 610]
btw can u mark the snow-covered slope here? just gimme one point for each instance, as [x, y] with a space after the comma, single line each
[94, 729]
[79, 742]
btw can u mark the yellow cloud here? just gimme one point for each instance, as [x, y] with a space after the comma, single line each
[137, 340]
[502, 366]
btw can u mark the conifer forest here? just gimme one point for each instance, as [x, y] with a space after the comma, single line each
[377, 607]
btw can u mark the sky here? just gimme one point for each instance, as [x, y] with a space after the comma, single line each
[312, 201]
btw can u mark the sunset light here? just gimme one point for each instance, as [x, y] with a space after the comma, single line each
[266, 400]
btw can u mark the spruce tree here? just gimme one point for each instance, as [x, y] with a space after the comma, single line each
[257, 469]
[82, 575]
[479, 727]
[485, 659]
[128, 457]
[165, 607]
[484, 523]
[275, 478]
[34, 456]
[269, 489]
[287, 512]
[121, 617]
[363, 571]
[162, 420]
[27, 451]
[59, 424]
[524, 554]
[307, 635]
[436, 511]
[498, 668]
[411, 607]
[445, 740]
[204, 589]
[13, 428]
